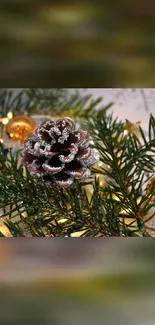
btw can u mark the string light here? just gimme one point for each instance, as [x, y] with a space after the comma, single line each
[5, 231]
[5, 120]
[100, 163]
[62, 220]
[10, 115]
[78, 233]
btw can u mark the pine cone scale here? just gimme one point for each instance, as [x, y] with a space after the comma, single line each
[63, 179]
[78, 173]
[28, 157]
[83, 154]
[57, 149]
[52, 169]
[66, 159]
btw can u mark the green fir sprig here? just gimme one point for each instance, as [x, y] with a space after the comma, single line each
[30, 208]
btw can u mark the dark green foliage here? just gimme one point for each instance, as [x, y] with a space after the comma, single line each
[54, 102]
[31, 100]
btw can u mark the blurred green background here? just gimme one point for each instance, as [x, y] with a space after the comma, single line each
[77, 44]
[41, 281]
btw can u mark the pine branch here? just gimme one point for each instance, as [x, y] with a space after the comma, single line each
[127, 159]
[122, 207]
[50, 102]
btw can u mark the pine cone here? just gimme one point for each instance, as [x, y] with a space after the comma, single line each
[56, 148]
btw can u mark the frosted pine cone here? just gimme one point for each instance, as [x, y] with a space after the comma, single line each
[56, 148]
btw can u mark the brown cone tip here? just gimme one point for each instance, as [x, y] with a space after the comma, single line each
[56, 148]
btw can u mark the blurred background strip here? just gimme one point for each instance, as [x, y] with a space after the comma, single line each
[77, 43]
[106, 281]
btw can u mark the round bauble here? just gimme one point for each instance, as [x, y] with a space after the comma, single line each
[19, 127]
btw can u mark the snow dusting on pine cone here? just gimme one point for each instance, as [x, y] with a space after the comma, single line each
[56, 148]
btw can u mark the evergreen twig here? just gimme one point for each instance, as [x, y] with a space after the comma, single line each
[122, 207]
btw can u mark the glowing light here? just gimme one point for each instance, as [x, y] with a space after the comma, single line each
[62, 220]
[5, 231]
[78, 233]
[5, 120]
[11, 135]
[139, 200]
[125, 212]
[100, 164]
[24, 214]
[125, 132]
[1, 140]
[10, 115]
[115, 197]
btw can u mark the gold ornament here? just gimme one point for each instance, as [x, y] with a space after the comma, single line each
[150, 187]
[132, 127]
[19, 127]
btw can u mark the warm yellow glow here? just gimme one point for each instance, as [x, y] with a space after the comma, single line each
[100, 164]
[116, 198]
[11, 135]
[125, 212]
[125, 132]
[5, 120]
[139, 199]
[10, 115]
[24, 214]
[109, 156]
[78, 233]
[5, 231]
[128, 221]
[62, 220]
[1, 140]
